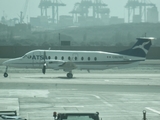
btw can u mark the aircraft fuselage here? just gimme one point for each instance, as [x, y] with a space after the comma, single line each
[89, 60]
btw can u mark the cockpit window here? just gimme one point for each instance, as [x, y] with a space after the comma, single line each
[25, 56]
[29, 57]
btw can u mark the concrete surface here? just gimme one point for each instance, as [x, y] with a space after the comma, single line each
[117, 94]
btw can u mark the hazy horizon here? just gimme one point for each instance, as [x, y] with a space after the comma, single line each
[11, 9]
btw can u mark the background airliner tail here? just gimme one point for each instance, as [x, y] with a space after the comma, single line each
[141, 47]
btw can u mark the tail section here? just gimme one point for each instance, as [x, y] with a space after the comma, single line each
[141, 48]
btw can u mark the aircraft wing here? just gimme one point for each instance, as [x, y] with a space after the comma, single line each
[60, 64]
[68, 66]
[56, 62]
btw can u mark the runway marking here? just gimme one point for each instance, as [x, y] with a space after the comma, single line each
[70, 106]
[24, 93]
[155, 111]
[67, 89]
[105, 102]
[106, 80]
[96, 96]
[110, 105]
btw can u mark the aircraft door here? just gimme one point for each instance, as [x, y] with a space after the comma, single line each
[125, 58]
[40, 60]
[33, 59]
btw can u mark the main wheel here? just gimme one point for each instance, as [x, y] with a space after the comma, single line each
[5, 74]
[69, 75]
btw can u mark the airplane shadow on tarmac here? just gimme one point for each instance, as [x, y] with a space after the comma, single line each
[52, 78]
[66, 78]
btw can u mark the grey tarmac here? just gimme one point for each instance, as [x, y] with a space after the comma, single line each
[117, 94]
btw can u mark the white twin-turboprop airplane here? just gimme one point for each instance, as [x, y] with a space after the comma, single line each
[81, 60]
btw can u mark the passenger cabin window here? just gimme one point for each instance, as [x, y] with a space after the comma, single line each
[62, 58]
[69, 58]
[75, 58]
[95, 59]
[55, 57]
[49, 57]
[82, 58]
[89, 58]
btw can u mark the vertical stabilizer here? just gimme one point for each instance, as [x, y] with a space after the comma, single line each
[141, 47]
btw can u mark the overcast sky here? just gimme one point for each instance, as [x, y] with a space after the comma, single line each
[12, 8]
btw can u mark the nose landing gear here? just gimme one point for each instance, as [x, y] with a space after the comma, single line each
[5, 73]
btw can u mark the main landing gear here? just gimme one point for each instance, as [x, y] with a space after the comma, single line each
[5, 73]
[69, 75]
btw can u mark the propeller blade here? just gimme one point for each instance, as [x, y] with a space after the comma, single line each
[44, 69]
[44, 56]
[44, 65]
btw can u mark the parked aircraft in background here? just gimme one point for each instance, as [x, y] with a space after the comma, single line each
[81, 60]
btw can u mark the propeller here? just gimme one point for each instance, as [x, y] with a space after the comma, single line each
[44, 65]
[44, 68]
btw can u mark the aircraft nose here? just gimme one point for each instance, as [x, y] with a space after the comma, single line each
[11, 62]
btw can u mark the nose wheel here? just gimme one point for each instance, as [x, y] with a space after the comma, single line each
[6, 74]
[69, 75]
